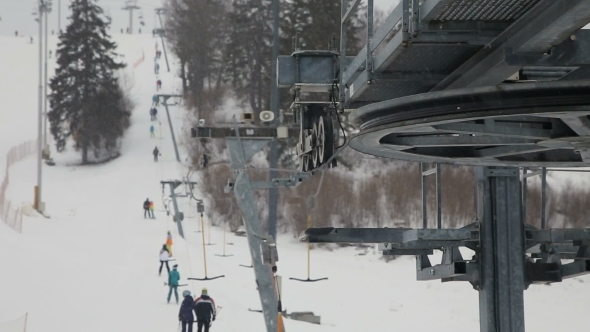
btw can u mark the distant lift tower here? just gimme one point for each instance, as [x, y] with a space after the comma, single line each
[130, 5]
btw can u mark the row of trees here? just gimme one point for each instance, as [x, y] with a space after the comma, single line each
[227, 44]
[87, 101]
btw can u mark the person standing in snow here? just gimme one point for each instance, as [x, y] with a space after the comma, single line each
[152, 210]
[155, 100]
[185, 315]
[156, 153]
[152, 114]
[205, 310]
[164, 258]
[156, 68]
[173, 278]
[155, 114]
[158, 84]
[146, 208]
[152, 132]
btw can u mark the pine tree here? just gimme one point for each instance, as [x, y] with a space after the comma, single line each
[196, 30]
[248, 54]
[317, 20]
[87, 102]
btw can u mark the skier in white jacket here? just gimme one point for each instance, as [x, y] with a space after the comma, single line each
[164, 257]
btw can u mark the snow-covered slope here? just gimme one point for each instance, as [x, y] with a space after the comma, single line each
[93, 265]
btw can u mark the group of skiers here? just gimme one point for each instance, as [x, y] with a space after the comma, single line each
[148, 209]
[202, 308]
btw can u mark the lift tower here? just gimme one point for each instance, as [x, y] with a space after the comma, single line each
[130, 5]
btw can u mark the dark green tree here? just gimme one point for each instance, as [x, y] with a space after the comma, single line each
[248, 54]
[196, 31]
[317, 20]
[87, 102]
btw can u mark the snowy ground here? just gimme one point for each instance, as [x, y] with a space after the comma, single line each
[92, 265]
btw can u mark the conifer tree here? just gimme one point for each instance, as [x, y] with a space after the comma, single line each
[196, 31]
[248, 53]
[317, 20]
[87, 102]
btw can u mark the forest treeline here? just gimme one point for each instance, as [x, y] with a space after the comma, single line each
[225, 47]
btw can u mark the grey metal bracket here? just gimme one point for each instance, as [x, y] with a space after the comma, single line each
[178, 216]
[292, 181]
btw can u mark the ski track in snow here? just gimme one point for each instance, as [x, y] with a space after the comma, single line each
[93, 265]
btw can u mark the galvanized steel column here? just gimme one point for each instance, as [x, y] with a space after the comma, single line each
[501, 300]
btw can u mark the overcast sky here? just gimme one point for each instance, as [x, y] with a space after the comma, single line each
[18, 14]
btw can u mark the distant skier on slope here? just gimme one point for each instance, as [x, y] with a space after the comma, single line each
[158, 84]
[152, 132]
[173, 278]
[205, 310]
[155, 100]
[152, 210]
[156, 153]
[146, 208]
[164, 258]
[185, 315]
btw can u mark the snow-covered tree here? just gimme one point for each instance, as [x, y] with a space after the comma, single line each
[87, 102]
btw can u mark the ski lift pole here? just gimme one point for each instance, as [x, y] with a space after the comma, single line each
[203, 242]
[201, 209]
[309, 206]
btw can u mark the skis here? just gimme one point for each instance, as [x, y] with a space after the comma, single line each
[182, 285]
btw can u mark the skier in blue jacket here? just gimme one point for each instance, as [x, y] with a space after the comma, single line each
[173, 279]
[185, 315]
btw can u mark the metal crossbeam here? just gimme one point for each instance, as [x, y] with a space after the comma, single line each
[557, 235]
[424, 238]
[246, 132]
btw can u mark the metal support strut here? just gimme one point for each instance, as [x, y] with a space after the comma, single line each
[243, 192]
[501, 301]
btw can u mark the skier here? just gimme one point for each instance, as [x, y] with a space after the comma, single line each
[173, 278]
[156, 153]
[205, 310]
[164, 257]
[156, 68]
[185, 315]
[152, 210]
[152, 134]
[169, 243]
[158, 84]
[146, 208]
[155, 100]
[152, 114]
[155, 113]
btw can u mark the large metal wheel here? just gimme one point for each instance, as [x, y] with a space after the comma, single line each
[531, 124]
[315, 147]
[326, 135]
